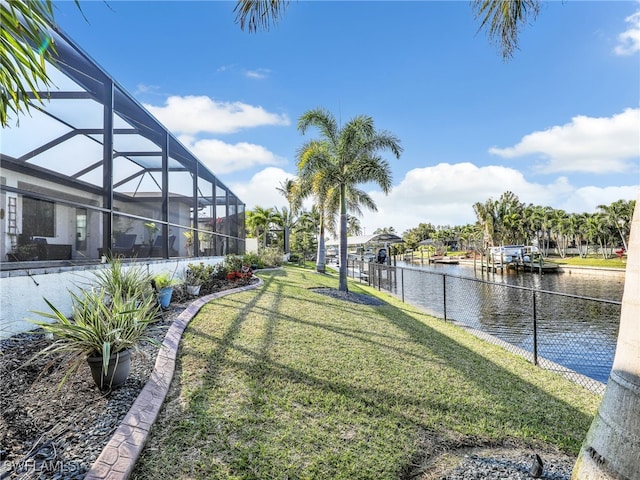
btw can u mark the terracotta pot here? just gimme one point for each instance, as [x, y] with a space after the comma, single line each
[117, 371]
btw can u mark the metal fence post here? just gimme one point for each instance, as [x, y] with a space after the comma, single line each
[444, 296]
[535, 330]
[402, 283]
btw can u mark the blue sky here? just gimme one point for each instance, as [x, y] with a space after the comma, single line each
[558, 125]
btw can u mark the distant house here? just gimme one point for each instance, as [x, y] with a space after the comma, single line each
[363, 247]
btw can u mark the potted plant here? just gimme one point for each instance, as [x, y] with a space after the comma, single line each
[23, 253]
[152, 229]
[103, 329]
[188, 242]
[195, 276]
[163, 284]
[132, 281]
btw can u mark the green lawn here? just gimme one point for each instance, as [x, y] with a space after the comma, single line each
[282, 382]
[592, 261]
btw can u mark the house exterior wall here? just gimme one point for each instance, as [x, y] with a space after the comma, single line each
[22, 292]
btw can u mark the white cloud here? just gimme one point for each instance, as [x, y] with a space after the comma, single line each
[257, 74]
[629, 39]
[221, 157]
[260, 190]
[195, 114]
[586, 144]
[587, 199]
[143, 88]
[444, 195]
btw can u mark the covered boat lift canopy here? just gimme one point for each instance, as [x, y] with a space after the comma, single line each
[366, 240]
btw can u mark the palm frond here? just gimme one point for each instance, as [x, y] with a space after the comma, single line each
[257, 15]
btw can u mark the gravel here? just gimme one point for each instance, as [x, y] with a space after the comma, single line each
[53, 431]
[509, 464]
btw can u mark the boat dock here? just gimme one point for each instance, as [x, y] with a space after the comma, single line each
[523, 267]
[443, 259]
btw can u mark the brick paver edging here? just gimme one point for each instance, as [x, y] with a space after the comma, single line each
[119, 456]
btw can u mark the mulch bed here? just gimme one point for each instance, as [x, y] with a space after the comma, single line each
[54, 431]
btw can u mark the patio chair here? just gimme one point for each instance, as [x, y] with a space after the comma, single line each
[156, 249]
[124, 245]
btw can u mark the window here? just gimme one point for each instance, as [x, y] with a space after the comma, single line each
[38, 217]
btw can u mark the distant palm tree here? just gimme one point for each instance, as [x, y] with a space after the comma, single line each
[289, 189]
[485, 213]
[618, 217]
[382, 230]
[259, 221]
[306, 231]
[342, 159]
[353, 226]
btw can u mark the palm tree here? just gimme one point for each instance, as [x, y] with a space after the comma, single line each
[485, 213]
[289, 189]
[306, 230]
[259, 221]
[503, 19]
[316, 186]
[353, 226]
[577, 228]
[618, 217]
[611, 447]
[327, 201]
[344, 158]
[25, 25]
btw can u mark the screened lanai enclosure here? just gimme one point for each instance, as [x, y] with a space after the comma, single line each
[91, 173]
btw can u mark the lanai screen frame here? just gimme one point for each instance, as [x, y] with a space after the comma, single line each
[157, 157]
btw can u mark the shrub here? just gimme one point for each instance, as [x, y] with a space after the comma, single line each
[129, 282]
[271, 257]
[164, 280]
[198, 273]
[253, 259]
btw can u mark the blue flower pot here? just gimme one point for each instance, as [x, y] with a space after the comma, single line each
[164, 296]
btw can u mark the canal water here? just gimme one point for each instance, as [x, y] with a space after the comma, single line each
[578, 333]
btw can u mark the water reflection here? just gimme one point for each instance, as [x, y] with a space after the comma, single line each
[578, 333]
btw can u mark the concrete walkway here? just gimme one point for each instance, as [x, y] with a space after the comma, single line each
[119, 456]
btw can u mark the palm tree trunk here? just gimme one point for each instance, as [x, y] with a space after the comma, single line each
[612, 447]
[342, 284]
[320, 258]
[286, 241]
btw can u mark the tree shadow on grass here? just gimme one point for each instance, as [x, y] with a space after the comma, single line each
[274, 385]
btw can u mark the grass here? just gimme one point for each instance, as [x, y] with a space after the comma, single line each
[595, 261]
[283, 382]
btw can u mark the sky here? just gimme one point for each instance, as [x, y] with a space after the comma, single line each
[558, 124]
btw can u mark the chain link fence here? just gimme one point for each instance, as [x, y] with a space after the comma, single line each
[569, 334]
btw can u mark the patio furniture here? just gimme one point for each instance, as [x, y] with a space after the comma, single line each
[123, 246]
[156, 248]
